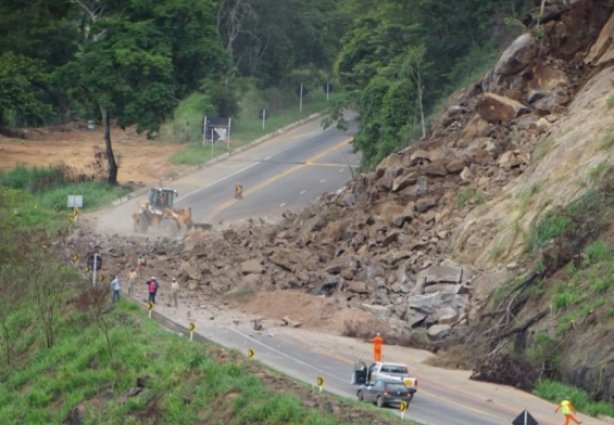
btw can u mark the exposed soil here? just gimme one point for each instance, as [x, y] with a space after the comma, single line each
[141, 161]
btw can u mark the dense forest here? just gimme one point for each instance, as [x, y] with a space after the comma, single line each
[133, 61]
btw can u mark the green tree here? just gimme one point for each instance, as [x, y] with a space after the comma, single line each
[44, 33]
[138, 58]
[197, 52]
[267, 39]
[418, 46]
[125, 72]
[20, 93]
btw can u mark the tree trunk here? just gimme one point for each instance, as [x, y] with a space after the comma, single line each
[106, 125]
[421, 101]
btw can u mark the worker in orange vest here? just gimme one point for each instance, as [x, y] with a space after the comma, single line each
[378, 341]
[568, 410]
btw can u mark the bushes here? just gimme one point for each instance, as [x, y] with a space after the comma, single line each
[35, 179]
[556, 391]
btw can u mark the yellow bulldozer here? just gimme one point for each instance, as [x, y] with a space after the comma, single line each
[157, 213]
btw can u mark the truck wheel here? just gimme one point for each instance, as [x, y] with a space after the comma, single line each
[169, 228]
[379, 402]
[142, 223]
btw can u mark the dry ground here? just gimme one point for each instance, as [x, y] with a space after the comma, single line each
[141, 162]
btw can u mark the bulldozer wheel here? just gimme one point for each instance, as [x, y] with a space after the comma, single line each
[169, 228]
[143, 223]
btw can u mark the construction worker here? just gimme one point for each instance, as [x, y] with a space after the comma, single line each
[568, 411]
[238, 191]
[378, 341]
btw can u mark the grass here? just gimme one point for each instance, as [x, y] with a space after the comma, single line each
[610, 101]
[186, 383]
[566, 296]
[248, 125]
[525, 198]
[541, 149]
[552, 225]
[555, 391]
[38, 196]
[607, 141]
[469, 195]
[497, 251]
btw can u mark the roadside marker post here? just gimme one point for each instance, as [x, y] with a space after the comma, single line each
[251, 353]
[150, 307]
[94, 263]
[403, 407]
[191, 328]
[320, 382]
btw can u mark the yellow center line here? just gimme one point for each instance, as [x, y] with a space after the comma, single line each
[267, 182]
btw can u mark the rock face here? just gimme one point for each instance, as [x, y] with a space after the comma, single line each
[396, 241]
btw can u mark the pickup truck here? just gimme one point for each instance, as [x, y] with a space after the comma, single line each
[391, 372]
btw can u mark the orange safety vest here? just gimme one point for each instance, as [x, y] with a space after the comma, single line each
[566, 407]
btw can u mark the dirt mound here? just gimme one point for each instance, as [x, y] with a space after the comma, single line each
[316, 312]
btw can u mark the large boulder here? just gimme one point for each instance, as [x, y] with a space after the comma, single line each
[602, 51]
[499, 109]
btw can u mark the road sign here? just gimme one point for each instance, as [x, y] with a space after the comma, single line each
[251, 353]
[75, 201]
[403, 406]
[191, 327]
[150, 306]
[75, 258]
[525, 418]
[94, 261]
[320, 381]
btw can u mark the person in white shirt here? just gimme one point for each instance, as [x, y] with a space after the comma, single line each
[116, 286]
[175, 290]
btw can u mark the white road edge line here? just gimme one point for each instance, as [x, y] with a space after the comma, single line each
[281, 353]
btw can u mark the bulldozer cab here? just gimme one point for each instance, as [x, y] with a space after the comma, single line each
[159, 199]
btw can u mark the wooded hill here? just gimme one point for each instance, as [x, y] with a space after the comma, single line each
[134, 61]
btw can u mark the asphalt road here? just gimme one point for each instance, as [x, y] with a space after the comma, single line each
[274, 182]
[286, 171]
[293, 359]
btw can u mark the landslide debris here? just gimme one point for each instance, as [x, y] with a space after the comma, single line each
[425, 240]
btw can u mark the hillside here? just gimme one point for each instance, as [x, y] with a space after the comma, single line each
[496, 224]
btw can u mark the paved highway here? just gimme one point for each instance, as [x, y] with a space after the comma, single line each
[444, 397]
[296, 360]
[285, 172]
[286, 179]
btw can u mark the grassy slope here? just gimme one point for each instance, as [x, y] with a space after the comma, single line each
[187, 383]
[246, 128]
